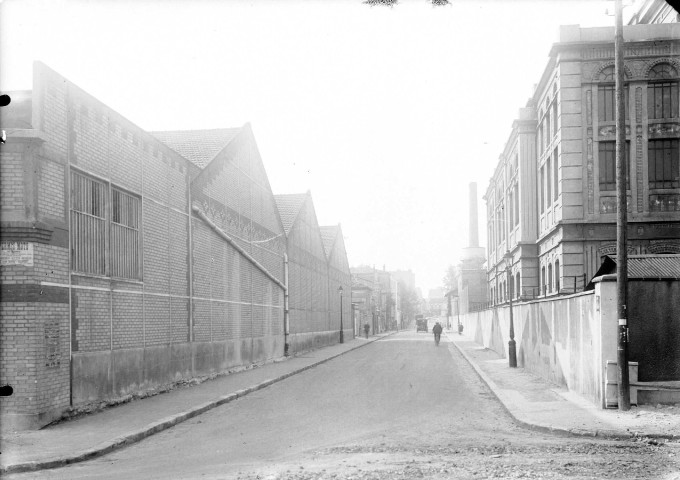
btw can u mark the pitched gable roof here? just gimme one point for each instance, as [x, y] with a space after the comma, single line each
[289, 206]
[328, 235]
[198, 146]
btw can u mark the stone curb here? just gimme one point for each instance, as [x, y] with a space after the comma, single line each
[608, 434]
[163, 424]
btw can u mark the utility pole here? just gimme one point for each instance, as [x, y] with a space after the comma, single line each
[621, 219]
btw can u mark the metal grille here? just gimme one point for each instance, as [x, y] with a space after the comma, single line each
[607, 165]
[664, 163]
[124, 235]
[95, 235]
[662, 100]
[606, 103]
[88, 224]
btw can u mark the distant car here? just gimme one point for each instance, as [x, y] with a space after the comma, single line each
[421, 325]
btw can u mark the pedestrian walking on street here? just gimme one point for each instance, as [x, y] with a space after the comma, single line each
[367, 327]
[437, 330]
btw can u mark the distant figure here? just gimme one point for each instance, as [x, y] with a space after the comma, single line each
[367, 327]
[437, 330]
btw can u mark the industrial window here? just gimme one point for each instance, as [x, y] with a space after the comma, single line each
[607, 165]
[662, 96]
[88, 224]
[124, 234]
[664, 159]
[103, 241]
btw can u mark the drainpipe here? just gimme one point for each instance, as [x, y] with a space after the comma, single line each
[286, 317]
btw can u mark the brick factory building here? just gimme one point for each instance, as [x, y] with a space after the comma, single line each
[132, 260]
[317, 267]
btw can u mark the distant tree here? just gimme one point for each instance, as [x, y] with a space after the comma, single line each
[408, 302]
[450, 279]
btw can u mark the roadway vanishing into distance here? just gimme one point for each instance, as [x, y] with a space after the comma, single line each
[397, 408]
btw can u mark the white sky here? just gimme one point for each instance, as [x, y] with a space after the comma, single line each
[385, 114]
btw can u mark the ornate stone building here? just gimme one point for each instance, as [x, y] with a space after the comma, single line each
[551, 203]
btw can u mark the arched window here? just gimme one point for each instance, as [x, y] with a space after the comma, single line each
[557, 276]
[542, 285]
[517, 286]
[662, 71]
[550, 277]
[606, 97]
[662, 92]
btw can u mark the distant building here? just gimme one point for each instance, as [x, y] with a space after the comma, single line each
[363, 302]
[386, 292]
[437, 303]
[551, 203]
[652, 11]
[407, 277]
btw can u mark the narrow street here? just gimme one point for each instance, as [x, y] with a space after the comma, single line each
[398, 408]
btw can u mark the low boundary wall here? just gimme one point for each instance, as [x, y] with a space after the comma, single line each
[559, 339]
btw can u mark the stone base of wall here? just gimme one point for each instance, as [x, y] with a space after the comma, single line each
[98, 376]
[302, 342]
[655, 397]
[12, 422]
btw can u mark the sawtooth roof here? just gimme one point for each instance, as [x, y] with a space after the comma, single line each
[289, 206]
[198, 146]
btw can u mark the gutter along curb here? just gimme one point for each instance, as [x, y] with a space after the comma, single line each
[162, 424]
[611, 434]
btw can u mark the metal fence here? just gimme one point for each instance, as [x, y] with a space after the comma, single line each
[571, 285]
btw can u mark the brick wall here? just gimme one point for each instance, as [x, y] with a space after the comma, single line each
[11, 178]
[238, 301]
[194, 287]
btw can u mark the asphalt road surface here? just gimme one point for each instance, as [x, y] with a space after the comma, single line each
[397, 408]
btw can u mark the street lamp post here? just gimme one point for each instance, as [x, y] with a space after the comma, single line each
[342, 336]
[512, 348]
[460, 327]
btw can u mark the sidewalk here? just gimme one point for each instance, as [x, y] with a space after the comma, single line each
[102, 432]
[531, 401]
[534, 403]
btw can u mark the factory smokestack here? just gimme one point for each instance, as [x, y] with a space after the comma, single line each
[473, 233]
